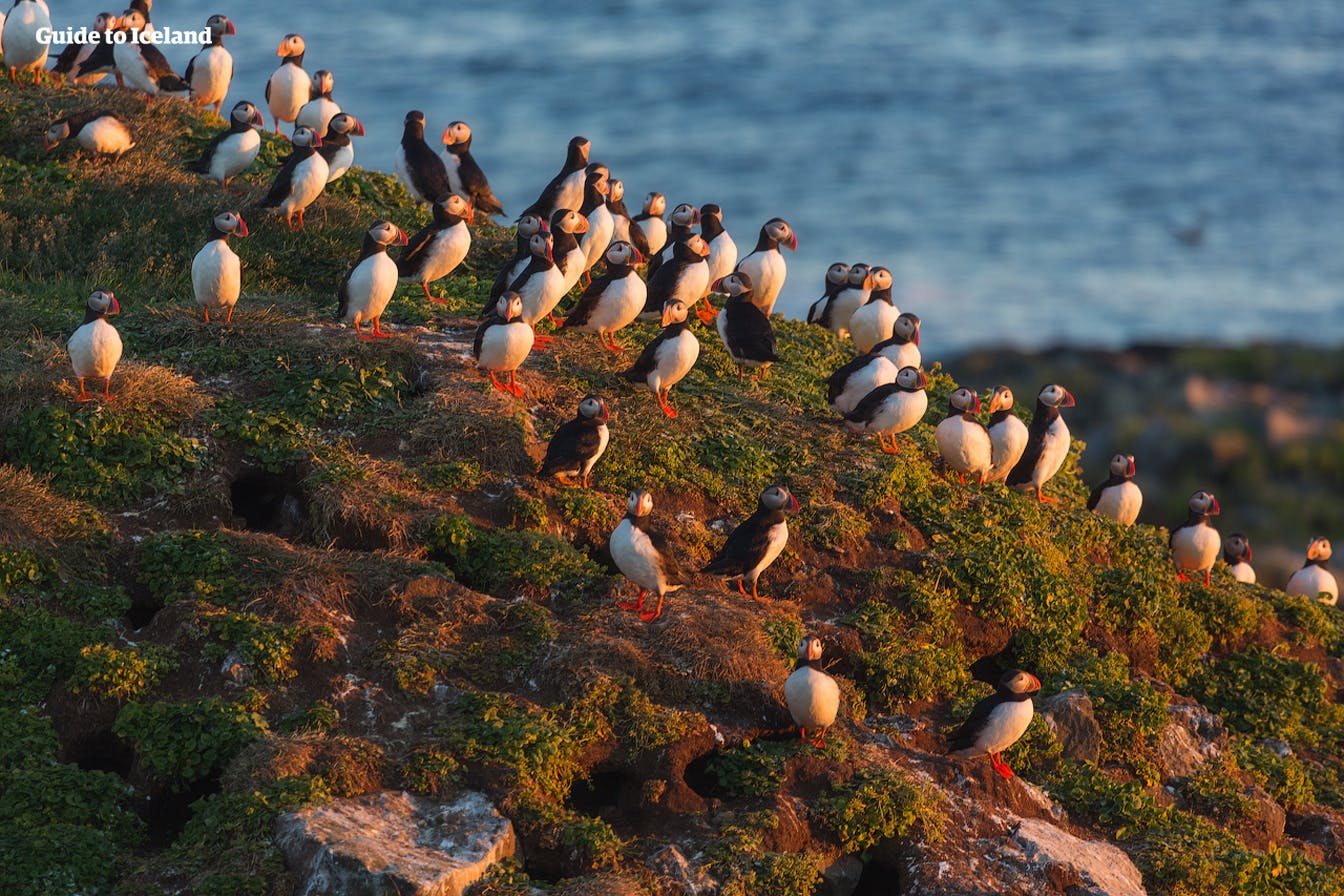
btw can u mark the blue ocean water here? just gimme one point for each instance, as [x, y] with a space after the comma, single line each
[1031, 171]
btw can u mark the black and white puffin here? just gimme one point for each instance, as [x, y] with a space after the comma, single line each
[754, 545]
[525, 227]
[891, 409]
[650, 223]
[1118, 498]
[594, 209]
[682, 223]
[963, 441]
[102, 132]
[541, 284]
[847, 386]
[436, 251]
[320, 109]
[820, 311]
[21, 43]
[567, 227]
[210, 71]
[875, 319]
[231, 151]
[1047, 443]
[289, 86]
[1315, 579]
[850, 298]
[668, 357]
[722, 249]
[73, 57]
[1007, 434]
[578, 444]
[743, 328]
[902, 349]
[813, 697]
[612, 301]
[685, 277]
[142, 64]
[623, 228]
[565, 190]
[368, 285]
[998, 721]
[765, 264]
[642, 556]
[337, 147]
[301, 178]
[95, 347]
[1195, 543]
[418, 166]
[464, 174]
[503, 342]
[1237, 555]
[216, 273]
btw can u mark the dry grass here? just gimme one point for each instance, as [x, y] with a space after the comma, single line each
[33, 511]
[365, 502]
[461, 423]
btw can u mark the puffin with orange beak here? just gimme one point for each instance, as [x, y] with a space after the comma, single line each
[525, 227]
[1237, 555]
[1195, 543]
[216, 273]
[103, 133]
[234, 149]
[757, 543]
[745, 331]
[211, 71]
[70, 65]
[418, 167]
[436, 251]
[367, 287]
[318, 112]
[1118, 498]
[683, 221]
[1047, 443]
[1315, 579]
[95, 347]
[565, 190]
[685, 277]
[465, 175]
[578, 444]
[337, 148]
[998, 721]
[567, 226]
[892, 408]
[503, 342]
[765, 264]
[963, 441]
[1007, 434]
[643, 556]
[300, 179]
[289, 86]
[601, 224]
[612, 301]
[669, 357]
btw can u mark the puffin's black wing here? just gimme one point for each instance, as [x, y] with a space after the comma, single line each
[427, 170]
[1021, 474]
[1095, 497]
[867, 407]
[744, 548]
[159, 69]
[639, 240]
[66, 61]
[283, 181]
[343, 292]
[966, 734]
[836, 384]
[202, 165]
[484, 325]
[100, 58]
[662, 283]
[667, 558]
[588, 301]
[573, 443]
[477, 187]
[191, 66]
[647, 360]
[268, 87]
[749, 333]
[408, 265]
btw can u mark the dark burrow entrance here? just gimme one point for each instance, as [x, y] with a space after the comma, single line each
[600, 795]
[102, 751]
[699, 777]
[269, 502]
[166, 811]
[879, 878]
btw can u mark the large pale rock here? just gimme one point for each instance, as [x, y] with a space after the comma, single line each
[394, 842]
[1069, 715]
[1192, 737]
[1100, 869]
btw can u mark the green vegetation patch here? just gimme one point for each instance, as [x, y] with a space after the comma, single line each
[185, 742]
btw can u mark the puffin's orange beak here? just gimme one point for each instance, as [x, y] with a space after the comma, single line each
[975, 409]
[1068, 400]
[793, 243]
[867, 281]
[317, 142]
[401, 237]
[923, 380]
[242, 226]
[256, 120]
[228, 28]
[47, 145]
[994, 401]
[667, 316]
[280, 51]
[1035, 682]
[583, 226]
[793, 503]
[358, 129]
[1314, 550]
[639, 256]
[447, 138]
[116, 308]
[915, 338]
[1215, 509]
[471, 213]
[1131, 466]
[716, 286]
[1248, 553]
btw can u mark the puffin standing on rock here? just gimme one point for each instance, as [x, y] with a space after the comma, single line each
[744, 330]
[963, 441]
[998, 721]
[819, 313]
[337, 148]
[565, 190]
[210, 71]
[418, 166]
[813, 697]
[642, 556]
[464, 174]
[1314, 579]
[216, 273]
[301, 178]
[765, 264]
[436, 251]
[669, 357]
[1047, 443]
[102, 132]
[754, 545]
[289, 86]
[875, 320]
[503, 342]
[95, 347]
[578, 444]
[1195, 543]
[233, 150]
[892, 408]
[612, 301]
[368, 286]
[1118, 498]
[1237, 556]
[1008, 435]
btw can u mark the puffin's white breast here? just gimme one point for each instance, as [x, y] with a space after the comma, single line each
[1195, 547]
[105, 135]
[722, 256]
[18, 36]
[234, 153]
[131, 66]
[813, 698]
[95, 349]
[897, 413]
[1056, 448]
[310, 176]
[655, 233]
[776, 539]
[341, 160]
[216, 275]
[877, 372]
[542, 292]
[371, 285]
[601, 225]
[1007, 723]
[872, 323]
[673, 360]
[1120, 503]
[964, 445]
[317, 114]
[446, 252]
[1311, 581]
[636, 557]
[210, 75]
[767, 271]
[505, 347]
[1008, 439]
[619, 305]
[847, 301]
[1243, 572]
[290, 89]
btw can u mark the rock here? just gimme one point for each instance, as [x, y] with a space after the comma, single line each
[841, 877]
[600, 885]
[1324, 830]
[1264, 828]
[688, 880]
[1192, 737]
[1071, 719]
[1078, 866]
[394, 842]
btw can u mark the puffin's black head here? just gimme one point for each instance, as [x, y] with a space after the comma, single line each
[1055, 396]
[621, 253]
[881, 280]
[617, 190]
[291, 47]
[104, 22]
[509, 306]
[133, 20]
[860, 276]
[593, 408]
[101, 303]
[578, 149]
[385, 233]
[323, 82]
[809, 649]
[1001, 400]
[567, 220]
[306, 138]
[963, 401]
[229, 223]
[906, 329]
[777, 232]
[685, 215]
[345, 123]
[837, 273]
[1319, 550]
[1122, 465]
[56, 132]
[596, 177]
[674, 312]
[415, 123]
[777, 497]
[911, 379]
[639, 504]
[244, 113]
[1237, 548]
[457, 136]
[733, 285]
[1203, 503]
[529, 224]
[711, 210]
[655, 204]
[455, 205]
[220, 25]
[539, 245]
[1017, 683]
[692, 249]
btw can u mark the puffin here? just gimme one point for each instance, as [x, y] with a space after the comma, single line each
[612, 301]
[503, 342]
[875, 320]
[216, 273]
[622, 227]
[1315, 579]
[1118, 498]
[578, 444]
[765, 264]
[337, 148]
[685, 277]
[73, 57]
[847, 386]
[368, 285]
[642, 556]
[436, 251]
[102, 132]
[820, 311]
[20, 39]
[892, 408]
[565, 190]
[813, 697]
[567, 226]
[722, 249]
[650, 223]
[142, 64]
[233, 150]
[668, 357]
[301, 178]
[418, 166]
[525, 227]
[464, 174]
[210, 71]
[744, 330]
[1007, 434]
[998, 721]
[684, 219]
[289, 86]
[601, 225]
[754, 545]
[318, 112]
[541, 284]
[850, 298]
[1237, 556]
[963, 441]
[95, 347]
[1047, 443]
[1195, 543]
[902, 349]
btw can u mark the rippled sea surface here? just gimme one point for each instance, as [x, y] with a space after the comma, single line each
[1033, 172]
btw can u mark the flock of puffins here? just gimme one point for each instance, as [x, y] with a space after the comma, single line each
[578, 222]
